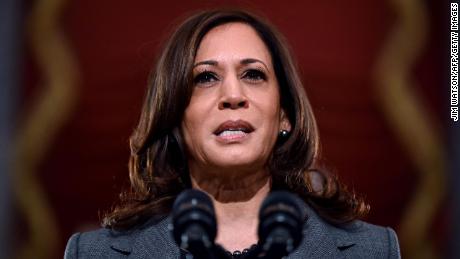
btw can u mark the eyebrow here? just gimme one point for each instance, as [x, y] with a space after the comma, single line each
[245, 61]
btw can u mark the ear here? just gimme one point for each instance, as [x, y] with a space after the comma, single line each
[285, 124]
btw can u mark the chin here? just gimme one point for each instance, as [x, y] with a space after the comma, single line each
[237, 162]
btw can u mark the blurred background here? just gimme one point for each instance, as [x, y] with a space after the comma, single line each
[73, 76]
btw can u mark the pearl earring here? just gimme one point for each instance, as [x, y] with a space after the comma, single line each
[283, 134]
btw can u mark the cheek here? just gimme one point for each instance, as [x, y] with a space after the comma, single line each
[192, 127]
[188, 128]
[270, 108]
[193, 147]
[272, 117]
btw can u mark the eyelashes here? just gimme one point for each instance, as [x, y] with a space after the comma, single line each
[205, 77]
[252, 75]
[255, 75]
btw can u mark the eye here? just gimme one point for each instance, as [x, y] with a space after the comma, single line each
[255, 75]
[205, 78]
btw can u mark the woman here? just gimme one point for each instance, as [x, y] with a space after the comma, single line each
[226, 113]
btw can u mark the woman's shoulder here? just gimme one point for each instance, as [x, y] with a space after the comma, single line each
[362, 230]
[151, 238]
[356, 239]
[87, 244]
[364, 238]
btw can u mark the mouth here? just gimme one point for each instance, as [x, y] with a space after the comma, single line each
[234, 128]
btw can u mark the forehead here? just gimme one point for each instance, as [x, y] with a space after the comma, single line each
[232, 40]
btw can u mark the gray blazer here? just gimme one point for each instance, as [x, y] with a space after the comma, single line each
[321, 240]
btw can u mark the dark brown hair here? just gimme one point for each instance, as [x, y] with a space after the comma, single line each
[157, 167]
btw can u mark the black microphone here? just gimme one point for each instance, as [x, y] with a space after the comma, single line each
[280, 225]
[194, 223]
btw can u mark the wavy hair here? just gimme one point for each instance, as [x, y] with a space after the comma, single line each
[158, 168]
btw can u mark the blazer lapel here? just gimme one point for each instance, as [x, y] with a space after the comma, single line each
[153, 240]
[156, 241]
[321, 240]
[122, 245]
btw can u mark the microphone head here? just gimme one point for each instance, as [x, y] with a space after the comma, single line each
[280, 223]
[193, 219]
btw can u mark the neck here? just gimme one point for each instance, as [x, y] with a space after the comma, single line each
[237, 206]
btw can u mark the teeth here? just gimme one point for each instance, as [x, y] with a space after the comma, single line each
[231, 133]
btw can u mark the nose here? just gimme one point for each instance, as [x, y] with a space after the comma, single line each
[232, 95]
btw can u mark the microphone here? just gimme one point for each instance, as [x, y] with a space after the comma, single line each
[194, 223]
[280, 224]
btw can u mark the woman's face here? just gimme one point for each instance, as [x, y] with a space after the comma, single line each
[234, 115]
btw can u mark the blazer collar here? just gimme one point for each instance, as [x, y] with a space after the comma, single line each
[141, 238]
[122, 245]
[321, 240]
[122, 242]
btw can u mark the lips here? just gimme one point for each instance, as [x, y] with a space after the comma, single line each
[238, 125]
